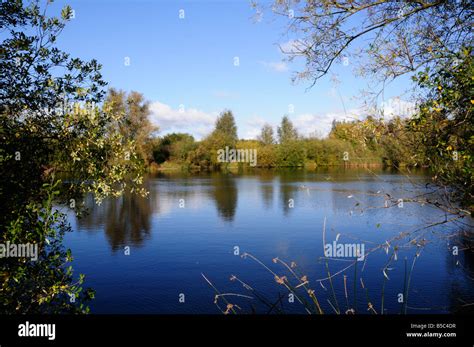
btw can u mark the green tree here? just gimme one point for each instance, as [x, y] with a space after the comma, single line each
[45, 285]
[225, 125]
[266, 135]
[175, 146]
[181, 147]
[267, 156]
[224, 134]
[51, 123]
[286, 131]
[444, 124]
[291, 153]
[135, 125]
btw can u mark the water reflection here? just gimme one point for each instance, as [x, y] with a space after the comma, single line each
[125, 220]
[182, 243]
[288, 189]
[266, 188]
[224, 193]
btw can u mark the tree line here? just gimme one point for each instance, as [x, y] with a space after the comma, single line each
[367, 142]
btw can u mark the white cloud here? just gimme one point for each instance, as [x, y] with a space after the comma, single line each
[397, 107]
[190, 120]
[292, 47]
[256, 121]
[320, 125]
[252, 133]
[307, 124]
[200, 123]
[253, 127]
[278, 66]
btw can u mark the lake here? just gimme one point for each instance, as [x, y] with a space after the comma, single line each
[147, 255]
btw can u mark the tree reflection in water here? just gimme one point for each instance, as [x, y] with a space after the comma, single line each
[224, 193]
[125, 220]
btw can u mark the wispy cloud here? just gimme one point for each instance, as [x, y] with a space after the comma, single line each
[200, 123]
[307, 124]
[225, 94]
[292, 47]
[277, 66]
[253, 127]
[396, 107]
[190, 120]
[320, 125]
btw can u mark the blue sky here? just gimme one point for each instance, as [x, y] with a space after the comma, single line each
[185, 67]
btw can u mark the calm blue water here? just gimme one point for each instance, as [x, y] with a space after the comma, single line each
[171, 245]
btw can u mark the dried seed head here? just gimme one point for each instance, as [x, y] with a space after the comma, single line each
[280, 280]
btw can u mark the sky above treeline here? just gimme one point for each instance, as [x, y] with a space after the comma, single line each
[193, 59]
